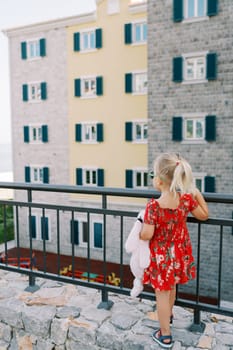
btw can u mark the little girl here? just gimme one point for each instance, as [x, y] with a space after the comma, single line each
[171, 258]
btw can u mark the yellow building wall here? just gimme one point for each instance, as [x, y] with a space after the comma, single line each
[114, 107]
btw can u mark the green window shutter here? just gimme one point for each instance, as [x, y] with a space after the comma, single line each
[209, 184]
[99, 86]
[74, 232]
[25, 92]
[44, 228]
[98, 235]
[43, 87]
[177, 129]
[32, 224]
[212, 7]
[77, 87]
[210, 128]
[45, 175]
[24, 50]
[76, 41]
[45, 137]
[128, 131]
[100, 177]
[100, 132]
[78, 132]
[128, 83]
[26, 133]
[211, 66]
[128, 33]
[79, 176]
[129, 178]
[98, 38]
[177, 10]
[27, 173]
[42, 47]
[178, 69]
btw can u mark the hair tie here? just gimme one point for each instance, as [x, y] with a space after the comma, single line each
[177, 163]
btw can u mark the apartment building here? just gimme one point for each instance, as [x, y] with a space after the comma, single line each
[79, 112]
[190, 108]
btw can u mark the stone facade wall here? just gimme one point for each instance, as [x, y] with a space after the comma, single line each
[166, 40]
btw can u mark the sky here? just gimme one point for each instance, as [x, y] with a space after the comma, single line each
[14, 13]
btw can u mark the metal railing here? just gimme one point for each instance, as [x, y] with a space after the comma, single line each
[105, 209]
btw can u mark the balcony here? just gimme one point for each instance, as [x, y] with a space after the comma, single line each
[106, 268]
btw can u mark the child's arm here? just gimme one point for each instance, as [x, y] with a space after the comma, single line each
[147, 232]
[202, 211]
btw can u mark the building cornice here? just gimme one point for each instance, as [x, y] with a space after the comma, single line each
[138, 7]
[51, 24]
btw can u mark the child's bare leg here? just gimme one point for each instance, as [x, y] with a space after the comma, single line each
[164, 311]
[172, 299]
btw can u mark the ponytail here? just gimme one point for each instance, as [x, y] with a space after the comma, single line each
[182, 177]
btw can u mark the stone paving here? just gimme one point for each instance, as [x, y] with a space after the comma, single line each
[60, 316]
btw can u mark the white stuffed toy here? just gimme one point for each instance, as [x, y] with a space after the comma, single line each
[140, 257]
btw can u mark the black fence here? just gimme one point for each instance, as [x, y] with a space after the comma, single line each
[105, 208]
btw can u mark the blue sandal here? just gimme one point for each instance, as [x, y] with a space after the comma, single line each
[159, 338]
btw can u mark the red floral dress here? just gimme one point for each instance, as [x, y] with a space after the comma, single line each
[172, 260]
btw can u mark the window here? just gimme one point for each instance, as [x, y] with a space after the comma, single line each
[90, 177]
[89, 132]
[136, 83]
[192, 10]
[136, 131]
[80, 233]
[88, 40]
[136, 33]
[36, 174]
[34, 92]
[39, 227]
[88, 87]
[36, 133]
[136, 178]
[195, 8]
[204, 183]
[194, 128]
[195, 68]
[32, 49]
[139, 32]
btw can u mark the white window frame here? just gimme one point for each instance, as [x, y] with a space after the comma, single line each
[194, 56]
[143, 124]
[200, 177]
[140, 23]
[91, 93]
[89, 32]
[36, 96]
[39, 227]
[143, 89]
[93, 174]
[38, 130]
[40, 176]
[195, 18]
[85, 132]
[144, 173]
[194, 118]
[35, 45]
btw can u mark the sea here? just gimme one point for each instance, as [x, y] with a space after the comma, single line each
[6, 169]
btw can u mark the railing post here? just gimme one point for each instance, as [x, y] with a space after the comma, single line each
[105, 303]
[32, 280]
[197, 325]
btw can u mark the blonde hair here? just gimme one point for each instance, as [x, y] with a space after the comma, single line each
[174, 169]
